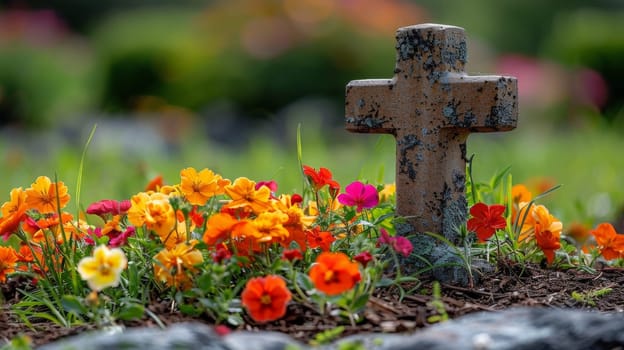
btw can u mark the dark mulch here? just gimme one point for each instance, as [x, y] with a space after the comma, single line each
[533, 286]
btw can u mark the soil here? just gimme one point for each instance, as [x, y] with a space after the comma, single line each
[532, 286]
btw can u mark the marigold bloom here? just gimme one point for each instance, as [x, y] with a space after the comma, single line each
[104, 268]
[198, 187]
[218, 228]
[269, 226]
[297, 221]
[173, 266]
[244, 195]
[359, 195]
[43, 195]
[334, 273]
[13, 212]
[8, 260]
[321, 178]
[486, 220]
[154, 211]
[547, 241]
[266, 298]
[610, 243]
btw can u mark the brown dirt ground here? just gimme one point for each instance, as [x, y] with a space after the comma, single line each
[534, 286]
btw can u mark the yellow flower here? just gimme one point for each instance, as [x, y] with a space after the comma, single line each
[44, 196]
[104, 268]
[154, 211]
[199, 187]
[244, 195]
[387, 193]
[270, 226]
[173, 266]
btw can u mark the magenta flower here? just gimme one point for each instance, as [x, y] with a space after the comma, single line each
[360, 195]
[399, 244]
[109, 206]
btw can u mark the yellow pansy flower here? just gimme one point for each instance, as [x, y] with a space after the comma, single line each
[104, 268]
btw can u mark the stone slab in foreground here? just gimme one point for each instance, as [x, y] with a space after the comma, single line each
[520, 328]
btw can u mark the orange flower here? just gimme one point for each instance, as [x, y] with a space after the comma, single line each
[538, 214]
[13, 212]
[579, 232]
[8, 260]
[244, 195]
[219, 228]
[547, 241]
[155, 184]
[334, 273]
[269, 227]
[519, 194]
[173, 266]
[610, 243]
[266, 298]
[43, 195]
[154, 211]
[297, 221]
[199, 187]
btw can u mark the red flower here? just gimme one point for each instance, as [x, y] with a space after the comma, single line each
[292, 254]
[319, 239]
[486, 220]
[547, 241]
[363, 258]
[265, 298]
[334, 273]
[321, 178]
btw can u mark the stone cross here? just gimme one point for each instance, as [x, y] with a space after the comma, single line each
[431, 106]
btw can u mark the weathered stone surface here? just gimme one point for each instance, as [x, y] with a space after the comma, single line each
[431, 106]
[520, 328]
[181, 336]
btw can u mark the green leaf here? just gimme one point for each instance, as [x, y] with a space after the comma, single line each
[304, 281]
[72, 303]
[131, 311]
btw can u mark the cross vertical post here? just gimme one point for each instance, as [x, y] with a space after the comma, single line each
[431, 106]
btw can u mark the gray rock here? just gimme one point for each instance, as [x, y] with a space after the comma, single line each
[519, 328]
[180, 336]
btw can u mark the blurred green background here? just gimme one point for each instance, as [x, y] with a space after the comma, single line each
[225, 84]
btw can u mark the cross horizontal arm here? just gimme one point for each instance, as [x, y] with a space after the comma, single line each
[370, 106]
[480, 103]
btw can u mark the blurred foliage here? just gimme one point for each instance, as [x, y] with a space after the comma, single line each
[594, 39]
[262, 55]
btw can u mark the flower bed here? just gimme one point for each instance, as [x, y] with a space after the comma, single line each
[238, 254]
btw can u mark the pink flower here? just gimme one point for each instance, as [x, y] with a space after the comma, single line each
[109, 206]
[399, 244]
[360, 195]
[122, 238]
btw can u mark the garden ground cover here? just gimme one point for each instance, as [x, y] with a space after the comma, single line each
[508, 287]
